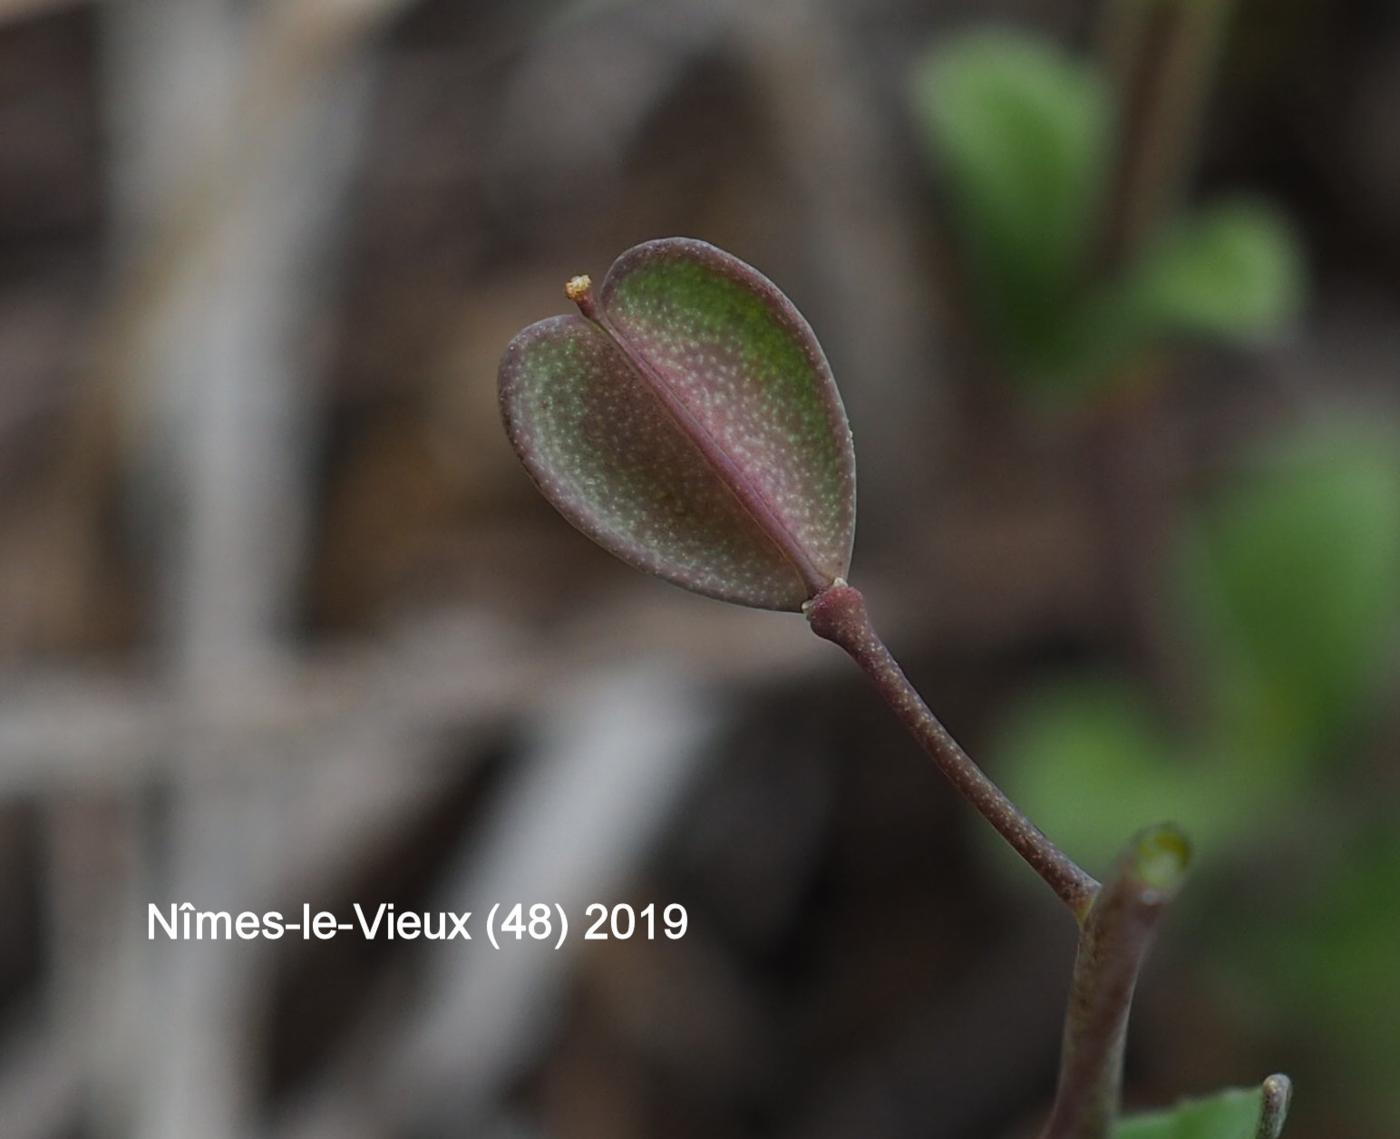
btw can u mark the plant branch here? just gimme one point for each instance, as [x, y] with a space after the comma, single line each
[1112, 945]
[1161, 56]
[838, 614]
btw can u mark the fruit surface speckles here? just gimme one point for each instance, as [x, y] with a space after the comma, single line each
[693, 428]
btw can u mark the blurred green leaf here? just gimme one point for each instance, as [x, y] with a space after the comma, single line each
[1233, 271]
[1230, 1114]
[1291, 585]
[1089, 763]
[1292, 581]
[1333, 975]
[1020, 133]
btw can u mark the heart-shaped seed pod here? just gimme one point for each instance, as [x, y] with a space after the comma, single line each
[688, 422]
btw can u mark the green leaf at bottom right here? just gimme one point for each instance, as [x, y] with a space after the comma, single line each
[1236, 1113]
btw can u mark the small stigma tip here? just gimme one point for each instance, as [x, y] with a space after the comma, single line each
[577, 287]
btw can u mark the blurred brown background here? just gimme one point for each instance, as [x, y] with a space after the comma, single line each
[283, 621]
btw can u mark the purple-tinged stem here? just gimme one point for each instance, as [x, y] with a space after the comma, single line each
[1112, 945]
[838, 614]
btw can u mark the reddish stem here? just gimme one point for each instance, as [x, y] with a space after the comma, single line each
[838, 614]
[1112, 946]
